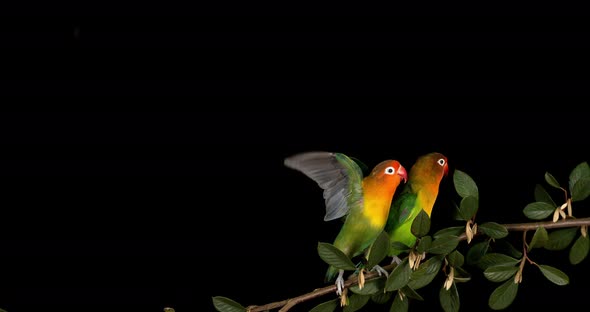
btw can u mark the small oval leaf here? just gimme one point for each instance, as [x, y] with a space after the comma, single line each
[581, 189]
[541, 195]
[554, 275]
[500, 273]
[579, 250]
[581, 171]
[464, 184]
[408, 291]
[443, 245]
[425, 273]
[378, 250]
[423, 244]
[454, 231]
[539, 239]
[335, 257]
[493, 230]
[506, 248]
[399, 277]
[551, 180]
[538, 210]
[449, 299]
[456, 259]
[381, 297]
[468, 207]
[476, 252]
[560, 239]
[421, 224]
[356, 302]
[399, 305]
[494, 258]
[328, 306]
[223, 304]
[503, 296]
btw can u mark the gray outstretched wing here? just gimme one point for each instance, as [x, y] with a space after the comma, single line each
[338, 175]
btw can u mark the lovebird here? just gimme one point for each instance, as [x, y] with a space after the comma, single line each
[363, 201]
[419, 193]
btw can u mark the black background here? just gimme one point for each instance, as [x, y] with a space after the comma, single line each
[122, 192]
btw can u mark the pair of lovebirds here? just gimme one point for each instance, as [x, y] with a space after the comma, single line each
[370, 203]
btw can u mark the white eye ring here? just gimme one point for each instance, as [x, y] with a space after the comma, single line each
[441, 162]
[390, 170]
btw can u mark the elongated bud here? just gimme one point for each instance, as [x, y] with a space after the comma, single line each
[361, 279]
[556, 215]
[569, 207]
[344, 298]
[584, 230]
[450, 279]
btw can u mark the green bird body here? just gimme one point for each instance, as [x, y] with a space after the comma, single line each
[363, 201]
[419, 193]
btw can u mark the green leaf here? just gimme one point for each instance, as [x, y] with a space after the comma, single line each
[551, 180]
[370, 288]
[423, 244]
[500, 273]
[456, 212]
[476, 252]
[506, 248]
[379, 250]
[461, 276]
[560, 239]
[454, 231]
[449, 299]
[456, 259]
[464, 184]
[400, 246]
[503, 296]
[581, 171]
[408, 291]
[538, 210]
[382, 297]
[493, 230]
[468, 207]
[328, 306]
[581, 189]
[443, 245]
[494, 259]
[421, 224]
[223, 304]
[399, 277]
[539, 239]
[356, 302]
[399, 305]
[425, 273]
[554, 275]
[541, 195]
[334, 257]
[579, 250]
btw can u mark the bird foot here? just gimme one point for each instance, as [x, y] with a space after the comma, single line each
[381, 271]
[340, 283]
[396, 260]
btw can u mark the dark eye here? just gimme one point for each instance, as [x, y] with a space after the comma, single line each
[441, 162]
[389, 170]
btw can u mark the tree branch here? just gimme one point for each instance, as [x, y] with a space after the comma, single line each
[520, 227]
[285, 305]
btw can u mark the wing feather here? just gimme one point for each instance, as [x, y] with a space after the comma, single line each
[338, 175]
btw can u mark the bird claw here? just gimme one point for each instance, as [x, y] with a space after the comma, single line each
[340, 283]
[396, 260]
[381, 271]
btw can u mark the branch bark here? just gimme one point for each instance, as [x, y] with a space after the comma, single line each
[286, 305]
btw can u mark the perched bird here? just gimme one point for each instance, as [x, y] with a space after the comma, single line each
[418, 194]
[365, 201]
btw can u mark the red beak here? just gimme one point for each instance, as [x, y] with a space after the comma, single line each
[401, 171]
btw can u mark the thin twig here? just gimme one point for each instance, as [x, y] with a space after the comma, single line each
[285, 305]
[289, 303]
